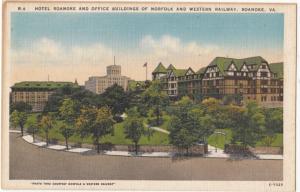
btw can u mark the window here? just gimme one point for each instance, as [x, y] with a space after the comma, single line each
[264, 82]
[264, 90]
[263, 66]
[264, 74]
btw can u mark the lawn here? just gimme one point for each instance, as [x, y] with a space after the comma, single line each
[219, 140]
[166, 120]
[278, 142]
[157, 138]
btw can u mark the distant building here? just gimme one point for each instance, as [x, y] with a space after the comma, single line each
[98, 84]
[36, 93]
[251, 78]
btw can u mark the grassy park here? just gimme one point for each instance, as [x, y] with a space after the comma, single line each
[75, 115]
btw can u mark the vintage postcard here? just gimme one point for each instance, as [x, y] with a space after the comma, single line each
[148, 96]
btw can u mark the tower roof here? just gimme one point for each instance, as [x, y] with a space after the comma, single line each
[160, 69]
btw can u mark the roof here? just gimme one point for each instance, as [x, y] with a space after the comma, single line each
[171, 67]
[224, 62]
[179, 72]
[201, 70]
[160, 69]
[42, 84]
[277, 68]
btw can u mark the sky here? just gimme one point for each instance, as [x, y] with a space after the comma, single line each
[66, 46]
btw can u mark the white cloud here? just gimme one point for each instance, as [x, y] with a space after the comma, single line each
[46, 56]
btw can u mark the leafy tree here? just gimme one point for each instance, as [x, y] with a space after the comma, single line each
[115, 98]
[103, 125]
[202, 124]
[20, 106]
[14, 118]
[81, 125]
[18, 119]
[67, 111]
[67, 132]
[249, 125]
[47, 123]
[189, 124]
[180, 135]
[79, 95]
[155, 98]
[134, 127]
[98, 122]
[274, 124]
[219, 112]
[274, 120]
[32, 128]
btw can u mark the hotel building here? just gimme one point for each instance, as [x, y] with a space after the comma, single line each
[252, 78]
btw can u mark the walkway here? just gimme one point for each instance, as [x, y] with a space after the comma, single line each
[212, 153]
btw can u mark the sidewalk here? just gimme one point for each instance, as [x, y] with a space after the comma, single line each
[212, 153]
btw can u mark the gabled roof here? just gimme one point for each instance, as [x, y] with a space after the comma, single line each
[277, 68]
[179, 72]
[224, 62]
[171, 67]
[189, 70]
[201, 70]
[160, 69]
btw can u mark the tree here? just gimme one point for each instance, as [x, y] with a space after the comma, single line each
[155, 98]
[68, 111]
[32, 128]
[47, 123]
[219, 112]
[82, 126]
[18, 118]
[249, 125]
[190, 124]
[103, 125]
[134, 127]
[20, 106]
[14, 118]
[98, 122]
[115, 98]
[274, 124]
[67, 132]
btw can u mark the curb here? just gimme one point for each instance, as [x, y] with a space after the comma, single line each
[127, 155]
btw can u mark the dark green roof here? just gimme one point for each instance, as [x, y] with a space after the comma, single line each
[201, 70]
[171, 67]
[224, 62]
[277, 68]
[41, 84]
[160, 69]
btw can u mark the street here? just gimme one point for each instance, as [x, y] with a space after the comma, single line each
[29, 162]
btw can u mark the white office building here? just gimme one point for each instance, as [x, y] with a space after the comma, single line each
[98, 84]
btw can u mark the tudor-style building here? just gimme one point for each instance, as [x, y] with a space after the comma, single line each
[251, 78]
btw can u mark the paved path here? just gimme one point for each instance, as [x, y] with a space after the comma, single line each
[30, 162]
[212, 153]
[160, 130]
